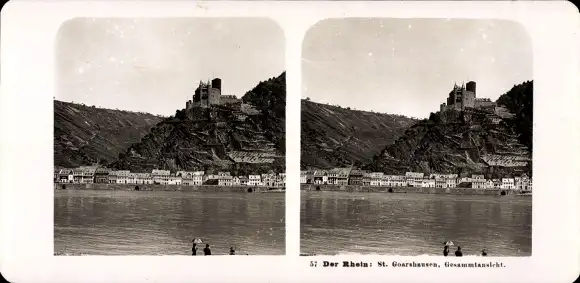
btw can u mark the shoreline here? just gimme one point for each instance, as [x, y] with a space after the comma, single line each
[303, 187]
[404, 190]
[397, 255]
[89, 254]
[169, 188]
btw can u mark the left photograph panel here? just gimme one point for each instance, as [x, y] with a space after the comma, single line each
[169, 137]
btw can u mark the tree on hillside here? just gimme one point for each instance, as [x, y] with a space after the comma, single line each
[181, 114]
[435, 118]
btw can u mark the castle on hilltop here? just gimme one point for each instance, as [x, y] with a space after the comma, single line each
[210, 93]
[464, 97]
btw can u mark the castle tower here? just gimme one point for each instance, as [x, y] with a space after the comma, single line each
[217, 83]
[214, 91]
[469, 95]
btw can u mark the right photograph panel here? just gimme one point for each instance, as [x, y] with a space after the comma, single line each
[416, 138]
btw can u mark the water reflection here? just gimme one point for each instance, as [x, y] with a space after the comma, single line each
[414, 224]
[163, 223]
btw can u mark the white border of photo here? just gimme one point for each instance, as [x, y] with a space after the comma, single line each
[28, 31]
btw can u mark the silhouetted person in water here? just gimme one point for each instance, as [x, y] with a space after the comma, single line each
[483, 252]
[194, 249]
[207, 251]
[446, 248]
[232, 251]
[458, 252]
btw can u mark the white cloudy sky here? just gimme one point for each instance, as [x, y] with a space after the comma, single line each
[408, 66]
[154, 65]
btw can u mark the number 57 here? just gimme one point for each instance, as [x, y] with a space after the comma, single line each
[313, 264]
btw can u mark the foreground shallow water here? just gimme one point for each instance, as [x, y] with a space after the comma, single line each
[414, 224]
[164, 223]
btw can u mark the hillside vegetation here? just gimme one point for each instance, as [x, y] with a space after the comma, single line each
[333, 136]
[86, 134]
[520, 101]
[466, 142]
[269, 98]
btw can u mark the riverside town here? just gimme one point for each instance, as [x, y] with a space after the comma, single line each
[103, 175]
[350, 176]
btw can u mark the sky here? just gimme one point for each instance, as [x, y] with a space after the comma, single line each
[409, 66]
[154, 65]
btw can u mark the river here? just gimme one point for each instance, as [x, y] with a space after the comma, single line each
[414, 224]
[164, 223]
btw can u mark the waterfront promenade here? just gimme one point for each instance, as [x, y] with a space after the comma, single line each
[417, 190]
[303, 187]
[180, 188]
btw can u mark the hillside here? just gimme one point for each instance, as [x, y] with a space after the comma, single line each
[468, 142]
[269, 98]
[242, 139]
[87, 134]
[520, 101]
[334, 136]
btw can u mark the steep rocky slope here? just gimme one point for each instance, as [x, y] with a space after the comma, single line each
[467, 142]
[242, 139]
[334, 136]
[87, 134]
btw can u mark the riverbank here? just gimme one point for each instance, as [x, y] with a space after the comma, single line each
[178, 188]
[404, 190]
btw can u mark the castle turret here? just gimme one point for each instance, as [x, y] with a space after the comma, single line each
[471, 87]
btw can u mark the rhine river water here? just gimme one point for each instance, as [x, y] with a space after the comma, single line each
[414, 224]
[164, 223]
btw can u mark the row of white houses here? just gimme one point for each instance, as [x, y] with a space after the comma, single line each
[349, 176]
[96, 174]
